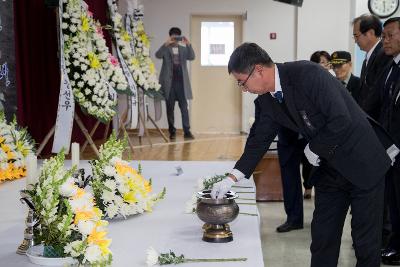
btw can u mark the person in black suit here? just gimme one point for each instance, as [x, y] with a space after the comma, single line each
[367, 30]
[352, 161]
[390, 120]
[342, 66]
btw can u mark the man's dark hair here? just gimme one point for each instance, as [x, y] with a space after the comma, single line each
[316, 56]
[246, 56]
[175, 31]
[368, 22]
[391, 20]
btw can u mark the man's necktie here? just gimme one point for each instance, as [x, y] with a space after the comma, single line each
[279, 97]
[392, 80]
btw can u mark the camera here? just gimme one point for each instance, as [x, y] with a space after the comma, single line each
[178, 38]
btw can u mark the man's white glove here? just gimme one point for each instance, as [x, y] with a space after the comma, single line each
[311, 156]
[392, 152]
[221, 188]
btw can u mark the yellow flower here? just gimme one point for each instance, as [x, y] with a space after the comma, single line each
[152, 68]
[84, 215]
[130, 197]
[135, 62]
[94, 61]
[10, 155]
[98, 238]
[145, 40]
[147, 186]
[5, 148]
[104, 247]
[79, 193]
[85, 23]
[98, 213]
[2, 139]
[126, 37]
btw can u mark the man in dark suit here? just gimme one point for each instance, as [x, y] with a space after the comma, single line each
[390, 120]
[342, 66]
[367, 30]
[352, 162]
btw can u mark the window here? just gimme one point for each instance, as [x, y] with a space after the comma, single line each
[217, 42]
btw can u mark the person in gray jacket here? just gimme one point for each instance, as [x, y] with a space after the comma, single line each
[174, 78]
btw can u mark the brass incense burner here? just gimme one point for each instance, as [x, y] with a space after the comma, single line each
[217, 213]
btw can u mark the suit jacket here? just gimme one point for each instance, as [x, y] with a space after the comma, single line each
[394, 108]
[368, 94]
[353, 85]
[165, 53]
[323, 111]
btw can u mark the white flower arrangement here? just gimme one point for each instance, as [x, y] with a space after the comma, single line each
[69, 223]
[119, 189]
[135, 49]
[93, 72]
[15, 145]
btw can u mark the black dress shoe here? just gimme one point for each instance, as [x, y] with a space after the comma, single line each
[287, 227]
[172, 136]
[188, 136]
[391, 257]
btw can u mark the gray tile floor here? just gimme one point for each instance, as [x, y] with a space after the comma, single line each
[292, 248]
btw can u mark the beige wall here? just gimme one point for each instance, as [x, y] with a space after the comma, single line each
[319, 24]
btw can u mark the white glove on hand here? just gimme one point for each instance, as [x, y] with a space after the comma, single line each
[392, 152]
[221, 188]
[311, 156]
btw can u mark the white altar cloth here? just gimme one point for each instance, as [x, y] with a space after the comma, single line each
[168, 227]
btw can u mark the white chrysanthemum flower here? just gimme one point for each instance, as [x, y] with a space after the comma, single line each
[112, 210]
[152, 257]
[73, 248]
[86, 227]
[93, 253]
[68, 188]
[110, 171]
[108, 196]
[110, 184]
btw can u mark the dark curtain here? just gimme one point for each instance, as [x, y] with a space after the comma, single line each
[37, 65]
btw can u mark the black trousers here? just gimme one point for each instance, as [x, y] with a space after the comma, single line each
[333, 196]
[393, 198]
[291, 151]
[177, 93]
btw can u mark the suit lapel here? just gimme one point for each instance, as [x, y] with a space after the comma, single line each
[372, 58]
[279, 115]
[288, 95]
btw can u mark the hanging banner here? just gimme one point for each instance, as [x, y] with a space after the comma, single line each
[66, 103]
[133, 108]
[8, 89]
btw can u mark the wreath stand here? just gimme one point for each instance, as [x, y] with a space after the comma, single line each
[83, 130]
[141, 122]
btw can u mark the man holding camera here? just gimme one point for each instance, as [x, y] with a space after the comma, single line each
[174, 79]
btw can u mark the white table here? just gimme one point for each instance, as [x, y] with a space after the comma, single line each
[168, 227]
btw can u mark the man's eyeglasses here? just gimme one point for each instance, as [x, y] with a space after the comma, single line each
[242, 84]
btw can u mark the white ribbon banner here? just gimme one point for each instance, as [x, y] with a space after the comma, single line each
[66, 104]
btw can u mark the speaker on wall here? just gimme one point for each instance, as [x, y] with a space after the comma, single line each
[298, 3]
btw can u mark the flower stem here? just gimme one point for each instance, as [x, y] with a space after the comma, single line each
[241, 203]
[215, 260]
[240, 198]
[242, 186]
[250, 214]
